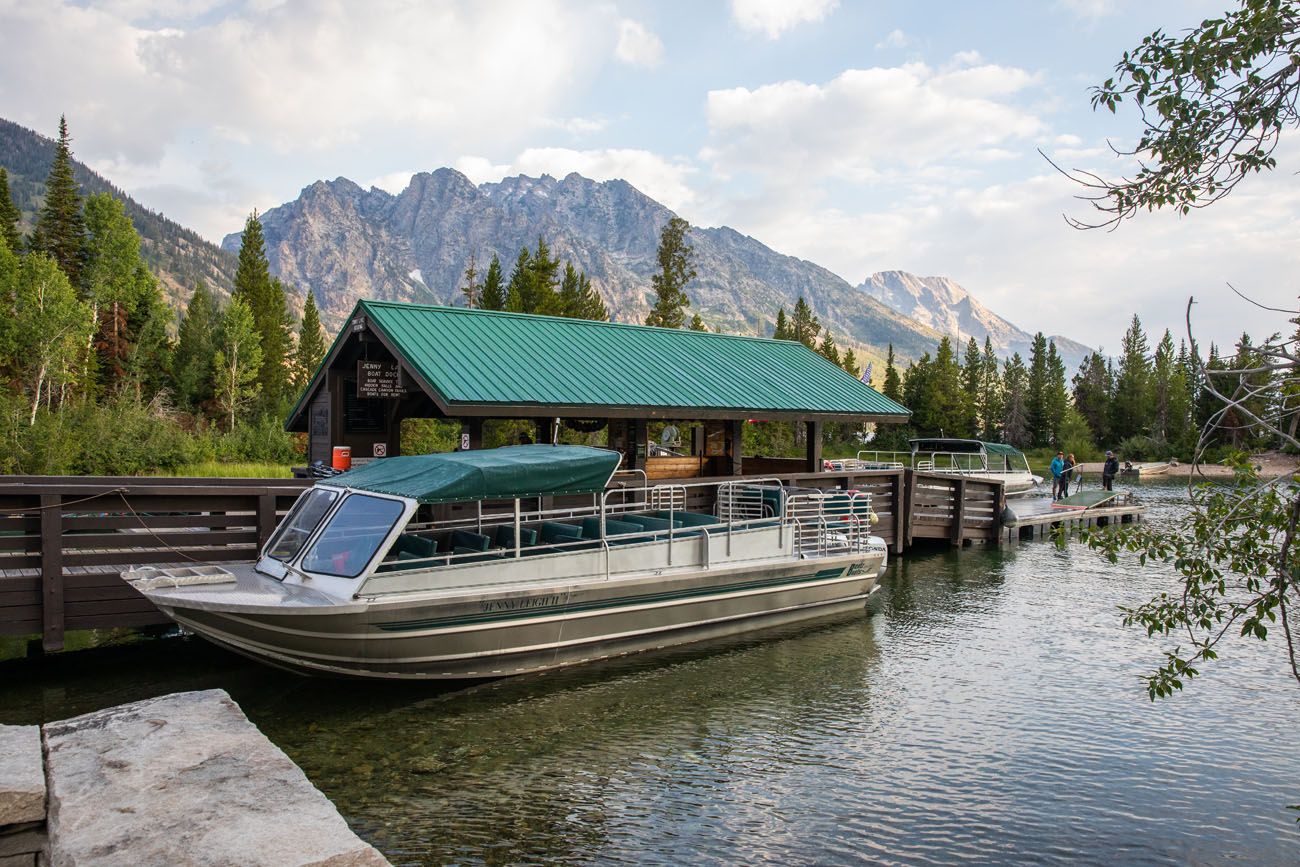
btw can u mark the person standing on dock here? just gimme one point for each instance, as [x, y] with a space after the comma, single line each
[1109, 470]
[1057, 468]
[1067, 474]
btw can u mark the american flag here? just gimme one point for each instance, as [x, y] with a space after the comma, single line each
[866, 373]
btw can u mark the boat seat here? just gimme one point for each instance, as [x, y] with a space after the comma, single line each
[476, 555]
[467, 539]
[416, 546]
[613, 527]
[554, 531]
[647, 522]
[505, 537]
[688, 519]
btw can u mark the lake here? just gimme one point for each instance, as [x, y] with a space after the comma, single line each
[986, 708]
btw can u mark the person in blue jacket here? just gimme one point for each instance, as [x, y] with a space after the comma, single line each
[1057, 468]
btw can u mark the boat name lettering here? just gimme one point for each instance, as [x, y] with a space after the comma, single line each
[517, 604]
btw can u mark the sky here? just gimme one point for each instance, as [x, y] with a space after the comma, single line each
[863, 136]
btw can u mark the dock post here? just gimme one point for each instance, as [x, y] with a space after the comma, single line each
[900, 512]
[958, 512]
[265, 519]
[51, 572]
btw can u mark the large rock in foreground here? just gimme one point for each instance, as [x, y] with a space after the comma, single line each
[186, 779]
[22, 776]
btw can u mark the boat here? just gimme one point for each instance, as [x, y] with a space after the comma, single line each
[974, 459]
[1149, 468]
[482, 564]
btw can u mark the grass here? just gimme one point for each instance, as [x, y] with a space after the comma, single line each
[215, 469]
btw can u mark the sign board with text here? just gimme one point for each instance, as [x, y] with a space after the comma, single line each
[379, 379]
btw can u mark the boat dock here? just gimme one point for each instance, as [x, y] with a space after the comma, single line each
[1037, 517]
[64, 541]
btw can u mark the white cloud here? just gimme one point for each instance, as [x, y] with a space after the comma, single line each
[1089, 9]
[392, 182]
[638, 46]
[1009, 244]
[894, 39]
[667, 181]
[864, 120]
[774, 17]
[297, 81]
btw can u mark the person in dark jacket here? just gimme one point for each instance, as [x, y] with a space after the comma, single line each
[1108, 472]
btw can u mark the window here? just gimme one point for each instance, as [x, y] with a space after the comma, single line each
[301, 522]
[352, 536]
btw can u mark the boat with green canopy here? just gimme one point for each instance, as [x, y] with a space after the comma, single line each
[495, 562]
[975, 459]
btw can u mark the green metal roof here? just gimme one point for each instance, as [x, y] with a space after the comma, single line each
[481, 357]
[490, 474]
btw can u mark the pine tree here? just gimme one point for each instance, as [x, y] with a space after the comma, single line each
[829, 350]
[264, 297]
[195, 346]
[972, 388]
[471, 290]
[804, 326]
[542, 282]
[493, 295]
[849, 362]
[311, 344]
[1181, 432]
[1015, 412]
[782, 329]
[1056, 400]
[1130, 413]
[10, 216]
[943, 398]
[236, 362]
[570, 300]
[697, 324]
[60, 231]
[1162, 375]
[1092, 396]
[991, 398]
[1036, 392]
[517, 291]
[123, 294]
[675, 256]
[592, 306]
[893, 385]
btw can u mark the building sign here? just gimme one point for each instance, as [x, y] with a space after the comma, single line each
[379, 379]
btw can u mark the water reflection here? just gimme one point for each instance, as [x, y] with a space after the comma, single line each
[988, 709]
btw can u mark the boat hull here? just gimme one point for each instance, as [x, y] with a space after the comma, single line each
[507, 631]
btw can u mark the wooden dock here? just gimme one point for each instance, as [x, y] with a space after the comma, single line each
[64, 541]
[1039, 517]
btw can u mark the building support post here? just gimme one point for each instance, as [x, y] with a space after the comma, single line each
[813, 431]
[735, 444]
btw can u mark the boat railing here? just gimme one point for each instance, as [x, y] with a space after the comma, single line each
[879, 460]
[737, 506]
[826, 523]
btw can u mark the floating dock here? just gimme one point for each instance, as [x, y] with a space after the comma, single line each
[1035, 517]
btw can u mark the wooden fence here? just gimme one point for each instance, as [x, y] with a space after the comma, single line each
[64, 541]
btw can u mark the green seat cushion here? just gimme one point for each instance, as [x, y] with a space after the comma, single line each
[467, 539]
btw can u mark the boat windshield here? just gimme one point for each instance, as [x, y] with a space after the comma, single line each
[352, 536]
[302, 520]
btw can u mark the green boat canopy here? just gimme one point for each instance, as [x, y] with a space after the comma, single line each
[960, 446]
[506, 473]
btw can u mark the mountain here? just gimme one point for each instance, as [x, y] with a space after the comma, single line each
[347, 243]
[178, 256]
[946, 307]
